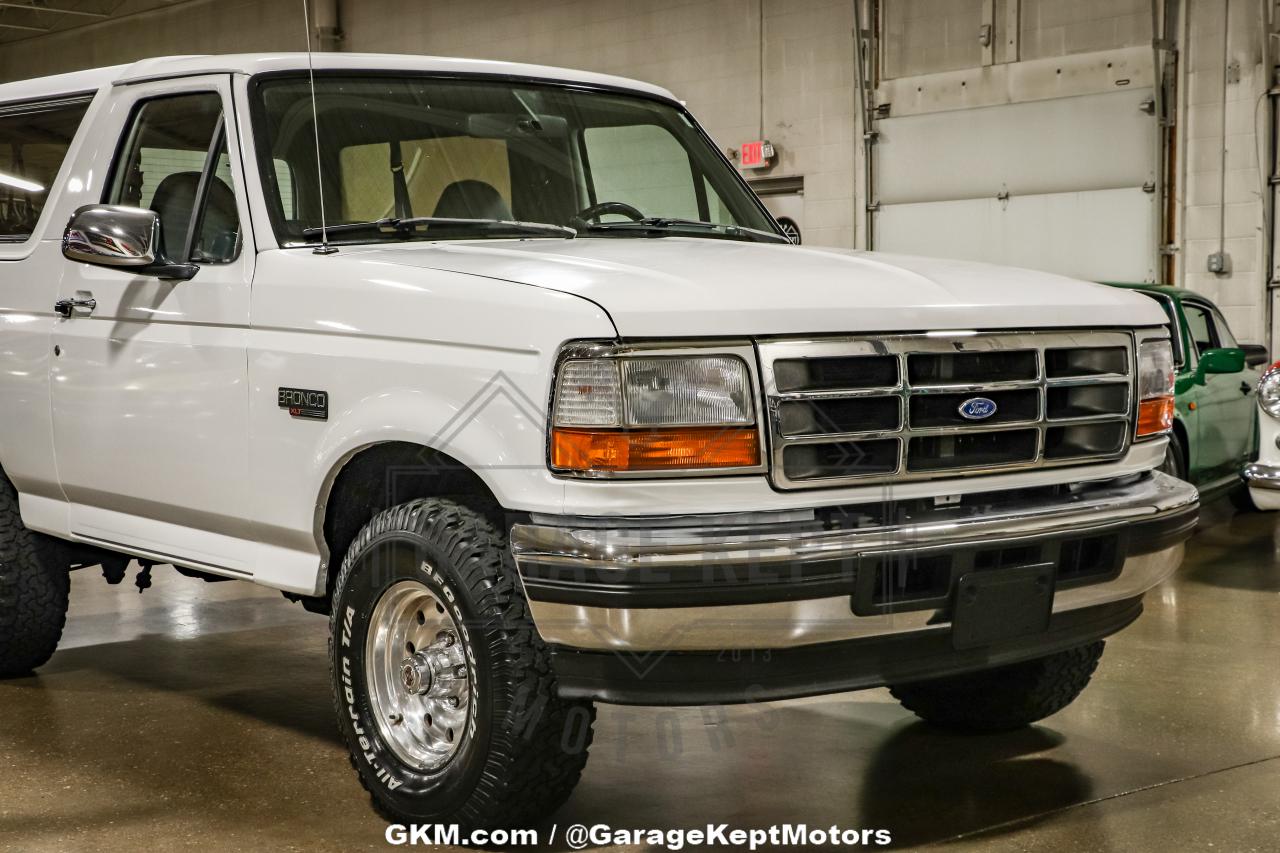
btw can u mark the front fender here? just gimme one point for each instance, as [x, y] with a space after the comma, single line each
[456, 363]
[498, 432]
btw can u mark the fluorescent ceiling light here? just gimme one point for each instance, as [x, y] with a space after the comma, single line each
[19, 183]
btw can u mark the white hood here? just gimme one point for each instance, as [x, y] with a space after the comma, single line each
[680, 287]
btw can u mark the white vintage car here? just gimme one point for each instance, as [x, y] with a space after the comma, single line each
[1263, 475]
[506, 370]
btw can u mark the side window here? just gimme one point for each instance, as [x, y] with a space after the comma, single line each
[34, 139]
[285, 184]
[218, 229]
[175, 162]
[644, 166]
[1225, 338]
[1199, 326]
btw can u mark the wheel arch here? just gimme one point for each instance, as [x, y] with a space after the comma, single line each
[383, 474]
[1180, 430]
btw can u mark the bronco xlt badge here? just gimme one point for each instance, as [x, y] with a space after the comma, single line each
[302, 403]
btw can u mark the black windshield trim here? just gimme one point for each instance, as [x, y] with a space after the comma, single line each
[394, 226]
[661, 233]
[660, 226]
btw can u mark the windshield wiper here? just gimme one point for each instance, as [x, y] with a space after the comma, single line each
[394, 225]
[658, 226]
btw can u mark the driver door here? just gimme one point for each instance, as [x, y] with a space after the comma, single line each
[1225, 407]
[150, 404]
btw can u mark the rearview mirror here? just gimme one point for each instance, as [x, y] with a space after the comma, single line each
[112, 235]
[514, 125]
[1223, 360]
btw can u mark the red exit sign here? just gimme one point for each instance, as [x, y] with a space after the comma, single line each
[756, 155]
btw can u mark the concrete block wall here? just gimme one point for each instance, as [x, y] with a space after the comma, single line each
[810, 111]
[183, 27]
[1211, 75]
[708, 52]
[922, 37]
[784, 69]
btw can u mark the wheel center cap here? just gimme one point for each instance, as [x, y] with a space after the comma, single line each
[416, 675]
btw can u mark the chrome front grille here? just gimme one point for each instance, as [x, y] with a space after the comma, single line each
[887, 409]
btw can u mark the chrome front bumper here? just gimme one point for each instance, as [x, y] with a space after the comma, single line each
[770, 582]
[1260, 476]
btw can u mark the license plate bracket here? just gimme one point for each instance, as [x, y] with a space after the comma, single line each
[1002, 604]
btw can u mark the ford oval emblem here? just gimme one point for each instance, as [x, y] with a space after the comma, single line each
[977, 408]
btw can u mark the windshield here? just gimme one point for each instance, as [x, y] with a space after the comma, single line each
[429, 158]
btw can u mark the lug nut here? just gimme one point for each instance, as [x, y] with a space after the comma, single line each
[459, 672]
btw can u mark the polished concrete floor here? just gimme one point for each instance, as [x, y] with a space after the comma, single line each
[197, 716]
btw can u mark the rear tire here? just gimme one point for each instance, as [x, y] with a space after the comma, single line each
[35, 585]
[443, 687]
[1005, 698]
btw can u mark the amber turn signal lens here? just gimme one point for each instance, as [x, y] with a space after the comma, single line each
[659, 449]
[1155, 416]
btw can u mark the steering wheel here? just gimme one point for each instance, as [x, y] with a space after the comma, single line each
[604, 208]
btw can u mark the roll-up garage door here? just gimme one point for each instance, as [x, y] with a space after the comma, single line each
[1062, 184]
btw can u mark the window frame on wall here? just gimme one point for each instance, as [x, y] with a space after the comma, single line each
[1009, 40]
[78, 100]
[886, 57]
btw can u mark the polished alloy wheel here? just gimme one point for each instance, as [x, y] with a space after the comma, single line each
[418, 681]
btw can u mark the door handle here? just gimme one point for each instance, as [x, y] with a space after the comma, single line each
[67, 307]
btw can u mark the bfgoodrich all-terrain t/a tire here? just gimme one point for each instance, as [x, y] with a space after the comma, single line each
[1005, 698]
[443, 687]
[34, 587]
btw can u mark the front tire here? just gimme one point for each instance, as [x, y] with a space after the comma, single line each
[1175, 458]
[1005, 698]
[443, 687]
[35, 585]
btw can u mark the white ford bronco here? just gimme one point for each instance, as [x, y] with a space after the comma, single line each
[506, 370]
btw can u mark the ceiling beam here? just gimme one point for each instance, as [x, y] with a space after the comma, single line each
[4, 26]
[52, 10]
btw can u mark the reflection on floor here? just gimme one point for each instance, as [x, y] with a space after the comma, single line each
[198, 716]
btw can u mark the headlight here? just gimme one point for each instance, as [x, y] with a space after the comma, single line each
[1155, 388]
[653, 413]
[1269, 391]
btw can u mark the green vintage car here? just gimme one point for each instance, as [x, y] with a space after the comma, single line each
[1215, 429]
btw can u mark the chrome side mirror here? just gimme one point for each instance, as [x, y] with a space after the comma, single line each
[112, 235]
